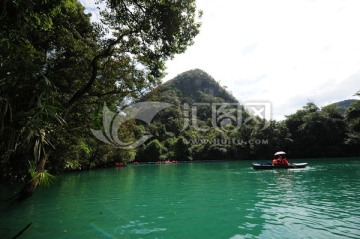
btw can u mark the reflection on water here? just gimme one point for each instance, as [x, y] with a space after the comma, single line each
[207, 200]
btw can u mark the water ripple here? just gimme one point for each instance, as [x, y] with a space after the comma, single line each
[215, 200]
[325, 205]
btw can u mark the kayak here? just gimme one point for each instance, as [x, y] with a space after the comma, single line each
[271, 166]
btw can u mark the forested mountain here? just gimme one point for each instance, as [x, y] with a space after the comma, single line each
[194, 86]
[192, 129]
[344, 104]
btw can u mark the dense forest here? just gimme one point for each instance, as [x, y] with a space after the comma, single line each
[57, 69]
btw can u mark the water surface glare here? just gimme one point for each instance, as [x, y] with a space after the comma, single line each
[194, 200]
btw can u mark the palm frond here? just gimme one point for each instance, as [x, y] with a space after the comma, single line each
[44, 177]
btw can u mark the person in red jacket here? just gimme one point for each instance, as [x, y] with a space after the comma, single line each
[280, 159]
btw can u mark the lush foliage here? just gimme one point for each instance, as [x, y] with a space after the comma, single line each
[57, 70]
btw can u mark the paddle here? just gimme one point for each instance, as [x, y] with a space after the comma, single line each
[22, 231]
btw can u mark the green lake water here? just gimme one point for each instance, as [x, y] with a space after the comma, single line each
[194, 200]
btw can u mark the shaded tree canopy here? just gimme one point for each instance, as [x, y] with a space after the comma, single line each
[57, 69]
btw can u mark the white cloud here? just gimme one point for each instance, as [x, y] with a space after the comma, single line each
[286, 52]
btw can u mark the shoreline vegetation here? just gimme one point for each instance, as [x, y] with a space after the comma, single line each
[58, 70]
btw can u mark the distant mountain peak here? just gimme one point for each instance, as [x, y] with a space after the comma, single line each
[196, 85]
[344, 104]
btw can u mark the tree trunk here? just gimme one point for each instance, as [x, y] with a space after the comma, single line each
[30, 187]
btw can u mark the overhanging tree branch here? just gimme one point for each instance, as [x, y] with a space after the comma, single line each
[108, 52]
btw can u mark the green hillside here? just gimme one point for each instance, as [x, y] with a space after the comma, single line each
[205, 122]
[344, 104]
[194, 84]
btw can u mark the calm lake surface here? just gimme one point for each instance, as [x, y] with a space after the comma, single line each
[194, 200]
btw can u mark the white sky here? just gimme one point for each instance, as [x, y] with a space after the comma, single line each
[279, 51]
[284, 52]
